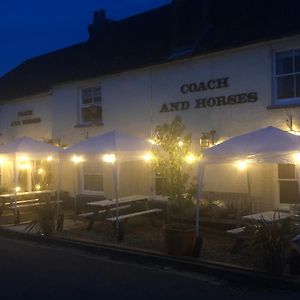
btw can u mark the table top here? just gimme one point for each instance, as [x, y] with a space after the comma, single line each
[267, 216]
[27, 193]
[121, 200]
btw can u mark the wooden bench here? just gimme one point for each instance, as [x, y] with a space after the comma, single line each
[93, 216]
[25, 204]
[124, 218]
[240, 235]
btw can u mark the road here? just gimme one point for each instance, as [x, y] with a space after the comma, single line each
[34, 271]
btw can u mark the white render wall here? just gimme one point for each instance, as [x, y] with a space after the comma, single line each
[132, 102]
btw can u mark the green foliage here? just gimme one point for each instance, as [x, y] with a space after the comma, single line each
[170, 164]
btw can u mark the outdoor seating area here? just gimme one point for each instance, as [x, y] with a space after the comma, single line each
[222, 225]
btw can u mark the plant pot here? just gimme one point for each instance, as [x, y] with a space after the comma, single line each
[179, 239]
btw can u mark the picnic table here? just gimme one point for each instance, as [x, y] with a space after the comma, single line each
[243, 234]
[107, 210]
[16, 201]
[268, 216]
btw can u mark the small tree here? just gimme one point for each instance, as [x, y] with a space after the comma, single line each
[171, 164]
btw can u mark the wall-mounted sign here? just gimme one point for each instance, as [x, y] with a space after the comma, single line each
[200, 103]
[26, 121]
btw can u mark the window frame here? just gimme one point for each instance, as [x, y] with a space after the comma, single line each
[84, 173]
[81, 105]
[284, 180]
[284, 101]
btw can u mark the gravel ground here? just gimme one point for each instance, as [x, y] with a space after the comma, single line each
[140, 234]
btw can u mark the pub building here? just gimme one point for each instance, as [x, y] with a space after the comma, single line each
[225, 67]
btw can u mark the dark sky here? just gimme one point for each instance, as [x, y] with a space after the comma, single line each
[32, 27]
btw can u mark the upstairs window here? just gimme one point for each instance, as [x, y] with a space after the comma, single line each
[287, 77]
[91, 105]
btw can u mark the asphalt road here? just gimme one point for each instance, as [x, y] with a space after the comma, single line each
[34, 271]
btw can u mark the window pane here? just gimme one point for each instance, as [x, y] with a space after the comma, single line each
[87, 96]
[93, 183]
[286, 171]
[91, 113]
[285, 87]
[297, 61]
[297, 85]
[289, 192]
[284, 62]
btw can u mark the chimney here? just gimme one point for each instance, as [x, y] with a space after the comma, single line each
[101, 24]
[190, 21]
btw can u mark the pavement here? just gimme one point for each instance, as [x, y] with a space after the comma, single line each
[208, 271]
[35, 270]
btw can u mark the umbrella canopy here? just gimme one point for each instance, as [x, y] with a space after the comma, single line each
[268, 144]
[32, 148]
[126, 146]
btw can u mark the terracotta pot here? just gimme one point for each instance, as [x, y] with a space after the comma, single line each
[179, 239]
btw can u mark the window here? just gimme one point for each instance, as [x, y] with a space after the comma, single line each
[91, 105]
[288, 184]
[287, 76]
[160, 184]
[92, 178]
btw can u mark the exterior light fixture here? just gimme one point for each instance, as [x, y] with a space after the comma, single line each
[207, 139]
[77, 159]
[109, 158]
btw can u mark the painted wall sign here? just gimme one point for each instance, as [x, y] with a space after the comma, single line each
[25, 113]
[200, 103]
[25, 121]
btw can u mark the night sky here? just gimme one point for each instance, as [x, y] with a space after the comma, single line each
[32, 27]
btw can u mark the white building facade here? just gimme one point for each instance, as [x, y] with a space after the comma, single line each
[219, 95]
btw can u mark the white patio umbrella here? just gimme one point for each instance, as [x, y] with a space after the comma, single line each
[113, 147]
[26, 148]
[266, 145]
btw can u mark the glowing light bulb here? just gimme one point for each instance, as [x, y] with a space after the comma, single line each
[109, 158]
[49, 158]
[148, 157]
[190, 158]
[242, 164]
[18, 189]
[77, 159]
[41, 171]
[37, 187]
[180, 143]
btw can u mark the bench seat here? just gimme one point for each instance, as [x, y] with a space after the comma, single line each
[136, 214]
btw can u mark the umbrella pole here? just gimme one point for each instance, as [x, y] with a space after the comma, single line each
[58, 189]
[116, 187]
[16, 213]
[198, 196]
[249, 189]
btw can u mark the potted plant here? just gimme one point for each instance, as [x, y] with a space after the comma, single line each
[172, 164]
[270, 240]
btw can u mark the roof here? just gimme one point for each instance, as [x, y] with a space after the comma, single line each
[148, 39]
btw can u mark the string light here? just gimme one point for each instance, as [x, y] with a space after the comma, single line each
[77, 159]
[109, 158]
